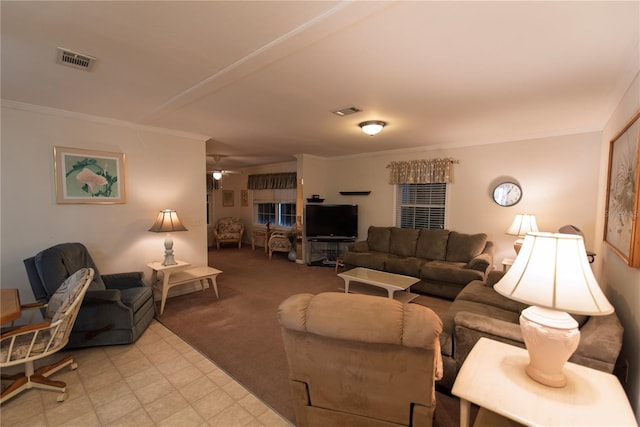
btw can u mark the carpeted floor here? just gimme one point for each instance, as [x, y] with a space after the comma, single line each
[240, 331]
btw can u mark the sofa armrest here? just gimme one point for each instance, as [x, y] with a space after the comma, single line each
[470, 327]
[601, 339]
[481, 262]
[123, 280]
[361, 246]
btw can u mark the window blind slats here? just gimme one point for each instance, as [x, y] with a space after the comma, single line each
[421, 205]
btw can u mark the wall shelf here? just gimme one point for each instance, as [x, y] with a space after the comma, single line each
[355, 193]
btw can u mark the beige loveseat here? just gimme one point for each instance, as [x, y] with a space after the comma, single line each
[479, 311]
[444, 261]
[357, 360]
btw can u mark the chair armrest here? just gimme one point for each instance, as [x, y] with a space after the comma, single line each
[33, 305]
[23, 329]
[123, 280]
[105, 296]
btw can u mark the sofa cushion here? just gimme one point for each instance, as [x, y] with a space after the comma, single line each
[432, 244]
[452, 272]
[408, 266]
[464, 247]
[373, 260]
[403, 241]
[378, 238]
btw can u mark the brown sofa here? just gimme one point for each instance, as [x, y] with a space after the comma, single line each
[444, 261]
[479, 311]
[360, 360]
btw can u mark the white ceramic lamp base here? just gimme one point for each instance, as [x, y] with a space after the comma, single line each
[168, 251]
[551, 338]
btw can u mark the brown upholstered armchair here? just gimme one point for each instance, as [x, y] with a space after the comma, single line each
[360, 360]
[228, 230]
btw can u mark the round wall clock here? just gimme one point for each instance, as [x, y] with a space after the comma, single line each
[507, 194]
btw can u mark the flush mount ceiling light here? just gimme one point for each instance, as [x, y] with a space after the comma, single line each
[372, 127]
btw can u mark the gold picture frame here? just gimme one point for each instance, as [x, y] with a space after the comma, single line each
[227, 198]
[622, 225]
[89, 176]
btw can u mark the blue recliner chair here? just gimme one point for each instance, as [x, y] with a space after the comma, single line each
[116, 309]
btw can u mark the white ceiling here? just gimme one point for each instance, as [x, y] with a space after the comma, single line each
[260, 79]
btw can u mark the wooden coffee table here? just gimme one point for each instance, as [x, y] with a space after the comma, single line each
[381, 279]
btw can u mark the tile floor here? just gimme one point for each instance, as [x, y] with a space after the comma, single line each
[158, 381]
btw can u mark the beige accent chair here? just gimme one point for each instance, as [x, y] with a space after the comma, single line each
[360, 360]
[228, 230]
[278, 242]
[24, 345]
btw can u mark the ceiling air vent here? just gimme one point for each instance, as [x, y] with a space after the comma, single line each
[74, 59]
[346, 111]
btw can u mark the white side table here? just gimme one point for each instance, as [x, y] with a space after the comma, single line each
[166, 270]
[506, 264]
[493, 377]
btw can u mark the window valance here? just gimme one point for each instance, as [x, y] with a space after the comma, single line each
[270, 181]
[422, 171]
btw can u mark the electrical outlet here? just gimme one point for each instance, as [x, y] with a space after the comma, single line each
[626, 371]
[621, 370]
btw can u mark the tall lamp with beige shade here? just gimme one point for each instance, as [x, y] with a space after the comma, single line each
[167, 221]
[552, 274]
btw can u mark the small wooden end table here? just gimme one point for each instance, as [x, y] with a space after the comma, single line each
[493, 377]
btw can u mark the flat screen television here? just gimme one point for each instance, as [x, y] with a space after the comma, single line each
[332, 222]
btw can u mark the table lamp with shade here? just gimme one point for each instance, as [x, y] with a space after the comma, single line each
[552, 274]
[521, 225]
[167, 221]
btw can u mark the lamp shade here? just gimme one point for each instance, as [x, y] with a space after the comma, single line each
[523, 224]
[372, 127]
[166, 222]
[552, 271]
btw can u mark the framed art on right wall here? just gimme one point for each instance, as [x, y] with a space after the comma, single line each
[622, 225]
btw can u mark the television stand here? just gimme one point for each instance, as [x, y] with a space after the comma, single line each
[329, 249]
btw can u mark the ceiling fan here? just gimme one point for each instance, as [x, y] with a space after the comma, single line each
[218, 171]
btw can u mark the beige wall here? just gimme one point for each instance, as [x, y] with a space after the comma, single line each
[558, 175]
[116, 235]
[621, 281]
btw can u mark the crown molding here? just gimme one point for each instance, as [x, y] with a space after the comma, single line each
[15, 105]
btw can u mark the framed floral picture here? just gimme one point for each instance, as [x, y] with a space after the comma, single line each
[89, 176]
[622, 225]
[244, 198]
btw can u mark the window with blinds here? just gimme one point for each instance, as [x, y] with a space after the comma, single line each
[274, 207]
[421, 205]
